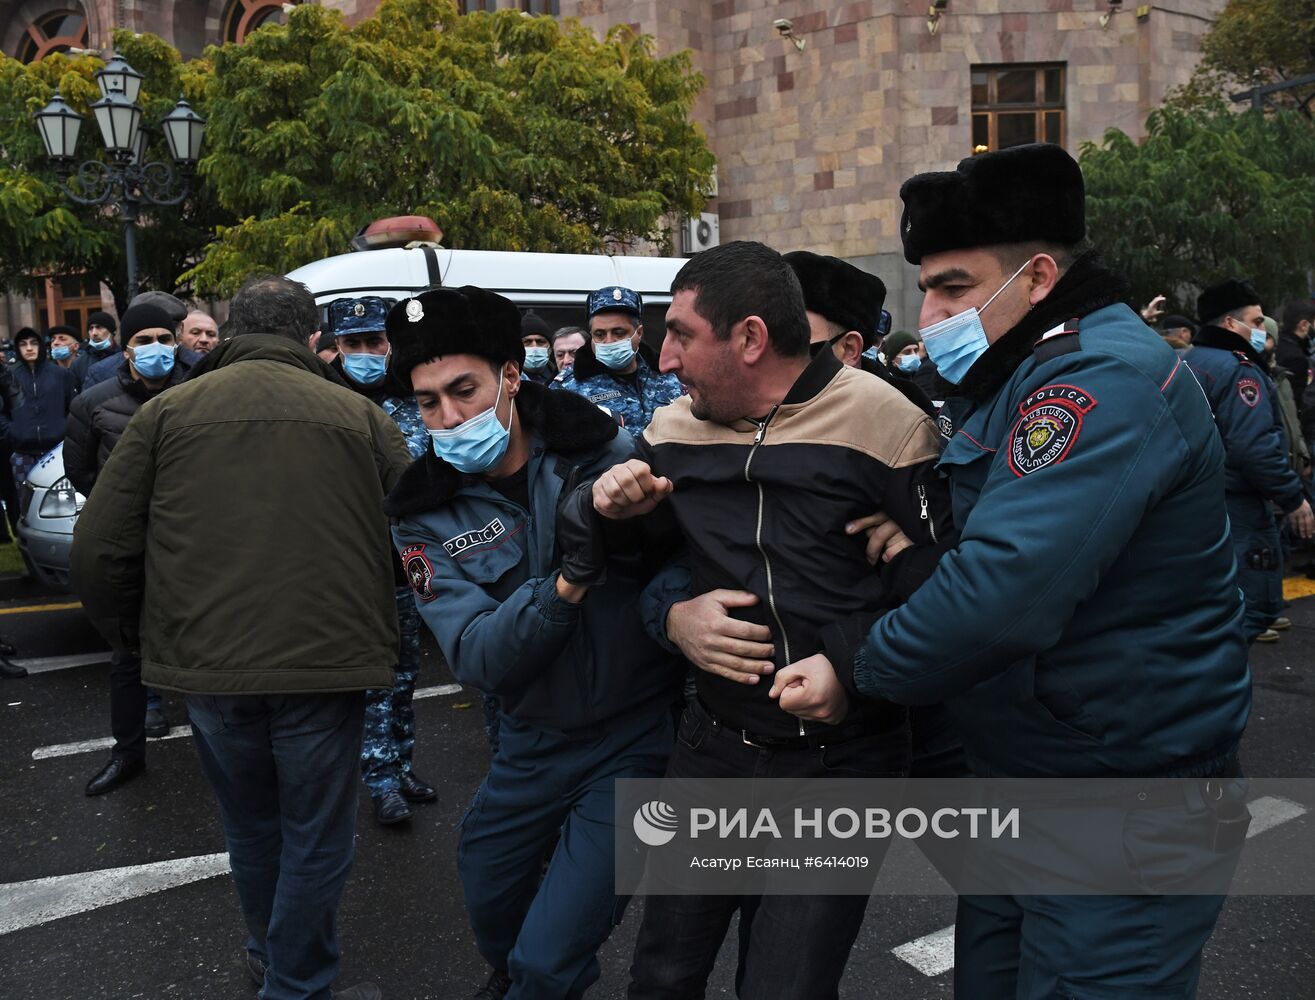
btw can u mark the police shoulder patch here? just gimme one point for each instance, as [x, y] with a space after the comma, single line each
[1049, 422]
[945, 425]
[1248, 390]
[419, 571]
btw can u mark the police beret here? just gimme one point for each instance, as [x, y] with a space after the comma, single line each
[1016, 195]
[102, 319]
[1176, 322]
[145, 317]
[364, 315]
[534, 325]
[614, 298]
[1225, 297]
[839, 292]
[443, 321]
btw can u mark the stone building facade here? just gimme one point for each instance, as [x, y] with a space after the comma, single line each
[814, 132]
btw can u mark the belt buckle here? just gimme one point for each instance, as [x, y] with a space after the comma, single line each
[744, 738]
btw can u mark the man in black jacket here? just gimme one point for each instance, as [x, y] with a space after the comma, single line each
[97, 420]
[765, 441]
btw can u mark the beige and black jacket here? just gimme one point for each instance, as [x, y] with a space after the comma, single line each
[764, 503]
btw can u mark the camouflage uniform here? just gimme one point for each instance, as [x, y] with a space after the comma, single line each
[633, 397]
[389, 733]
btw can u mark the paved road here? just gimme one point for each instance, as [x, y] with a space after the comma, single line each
[402, 921]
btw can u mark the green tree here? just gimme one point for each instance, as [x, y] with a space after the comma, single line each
[1254, 43]
[1210, 194]
[513, 132]
[44, 232]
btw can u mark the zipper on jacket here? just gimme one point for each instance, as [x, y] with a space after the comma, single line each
[758, 540]
[922, 511]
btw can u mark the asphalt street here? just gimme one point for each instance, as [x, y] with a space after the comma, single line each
[134, 899]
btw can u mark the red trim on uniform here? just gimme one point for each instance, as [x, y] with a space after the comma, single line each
[1176, 366]
[460, 556]
[976, 442]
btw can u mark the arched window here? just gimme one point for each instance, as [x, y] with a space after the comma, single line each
[57, 31]
[244, 16]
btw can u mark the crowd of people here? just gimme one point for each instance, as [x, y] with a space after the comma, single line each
[786, 544]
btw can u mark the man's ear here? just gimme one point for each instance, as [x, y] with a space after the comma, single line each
[754, 340]
[851, 348]
[1044, 273]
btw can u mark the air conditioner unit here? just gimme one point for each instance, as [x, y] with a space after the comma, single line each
[701, 232]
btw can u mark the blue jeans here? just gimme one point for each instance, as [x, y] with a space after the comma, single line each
[546, 933]
[283, 768]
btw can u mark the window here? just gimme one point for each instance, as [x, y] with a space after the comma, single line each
[469, 6]
[541, 6]
[244, 16]
[55, 32]
[1013, 105]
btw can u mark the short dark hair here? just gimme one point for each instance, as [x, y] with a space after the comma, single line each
[1010, 255]
[743, 278]
[1294, 313]
[1232, 313]
[275, 305]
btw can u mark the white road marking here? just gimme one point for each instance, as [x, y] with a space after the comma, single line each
[1269, 811]
[434, 692]
[46, 664]
[178, 732]
[27, 904]
[933, 954]
[87, 746]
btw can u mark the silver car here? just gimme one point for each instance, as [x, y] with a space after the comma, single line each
[48, 508]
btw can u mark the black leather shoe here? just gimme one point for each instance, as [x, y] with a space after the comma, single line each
[361, 991]
[496, 988]
[115, 773]
[416, 789]
[11, 670]
[7, 648]
[156, 724]
[255, 968]
[390, 808]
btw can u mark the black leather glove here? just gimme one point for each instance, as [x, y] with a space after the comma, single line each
[580, 536]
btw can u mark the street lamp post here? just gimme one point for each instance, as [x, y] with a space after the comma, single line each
[126, 181]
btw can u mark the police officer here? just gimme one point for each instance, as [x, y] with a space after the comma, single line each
[1087, 480]
[615, 369]
[1226, 360]
[513, 592]
[388, 740]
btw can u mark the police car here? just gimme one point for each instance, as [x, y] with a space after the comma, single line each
[48, 509]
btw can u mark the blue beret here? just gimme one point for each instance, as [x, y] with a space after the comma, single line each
[614, 298]
[364, 315]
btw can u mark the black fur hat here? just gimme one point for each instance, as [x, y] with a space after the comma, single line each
[1224, 298]
[840, 292]
[441, 321]
[1016, 195]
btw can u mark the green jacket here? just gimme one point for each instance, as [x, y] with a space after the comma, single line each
[236, 536]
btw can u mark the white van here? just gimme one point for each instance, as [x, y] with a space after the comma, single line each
[554, 285]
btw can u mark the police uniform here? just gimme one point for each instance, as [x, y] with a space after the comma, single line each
[1257, 471]
[388, 740]
[1092, 600]
[633, 397]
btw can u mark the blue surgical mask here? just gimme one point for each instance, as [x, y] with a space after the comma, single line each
[909, 362]
[367, 369]
[60, 353]
[1258, 338]
[476, 445]
[100, 346]
[536, 358]
[957, 342]
[153, 360]
[616, 355]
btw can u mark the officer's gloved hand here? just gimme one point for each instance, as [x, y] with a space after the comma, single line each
[580, 537]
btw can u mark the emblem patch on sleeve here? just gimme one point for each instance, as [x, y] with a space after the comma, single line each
[419, 572]
[1049, 423]
[1248, 389]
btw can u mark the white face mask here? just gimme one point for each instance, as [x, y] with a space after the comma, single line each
[956, 342]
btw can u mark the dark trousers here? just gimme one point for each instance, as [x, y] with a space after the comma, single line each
[546, 932]
[1259, 560]
[791, 947]
[1041, 947]
[8, 493]
[390, 721]
[129, 700]
[283, 768]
